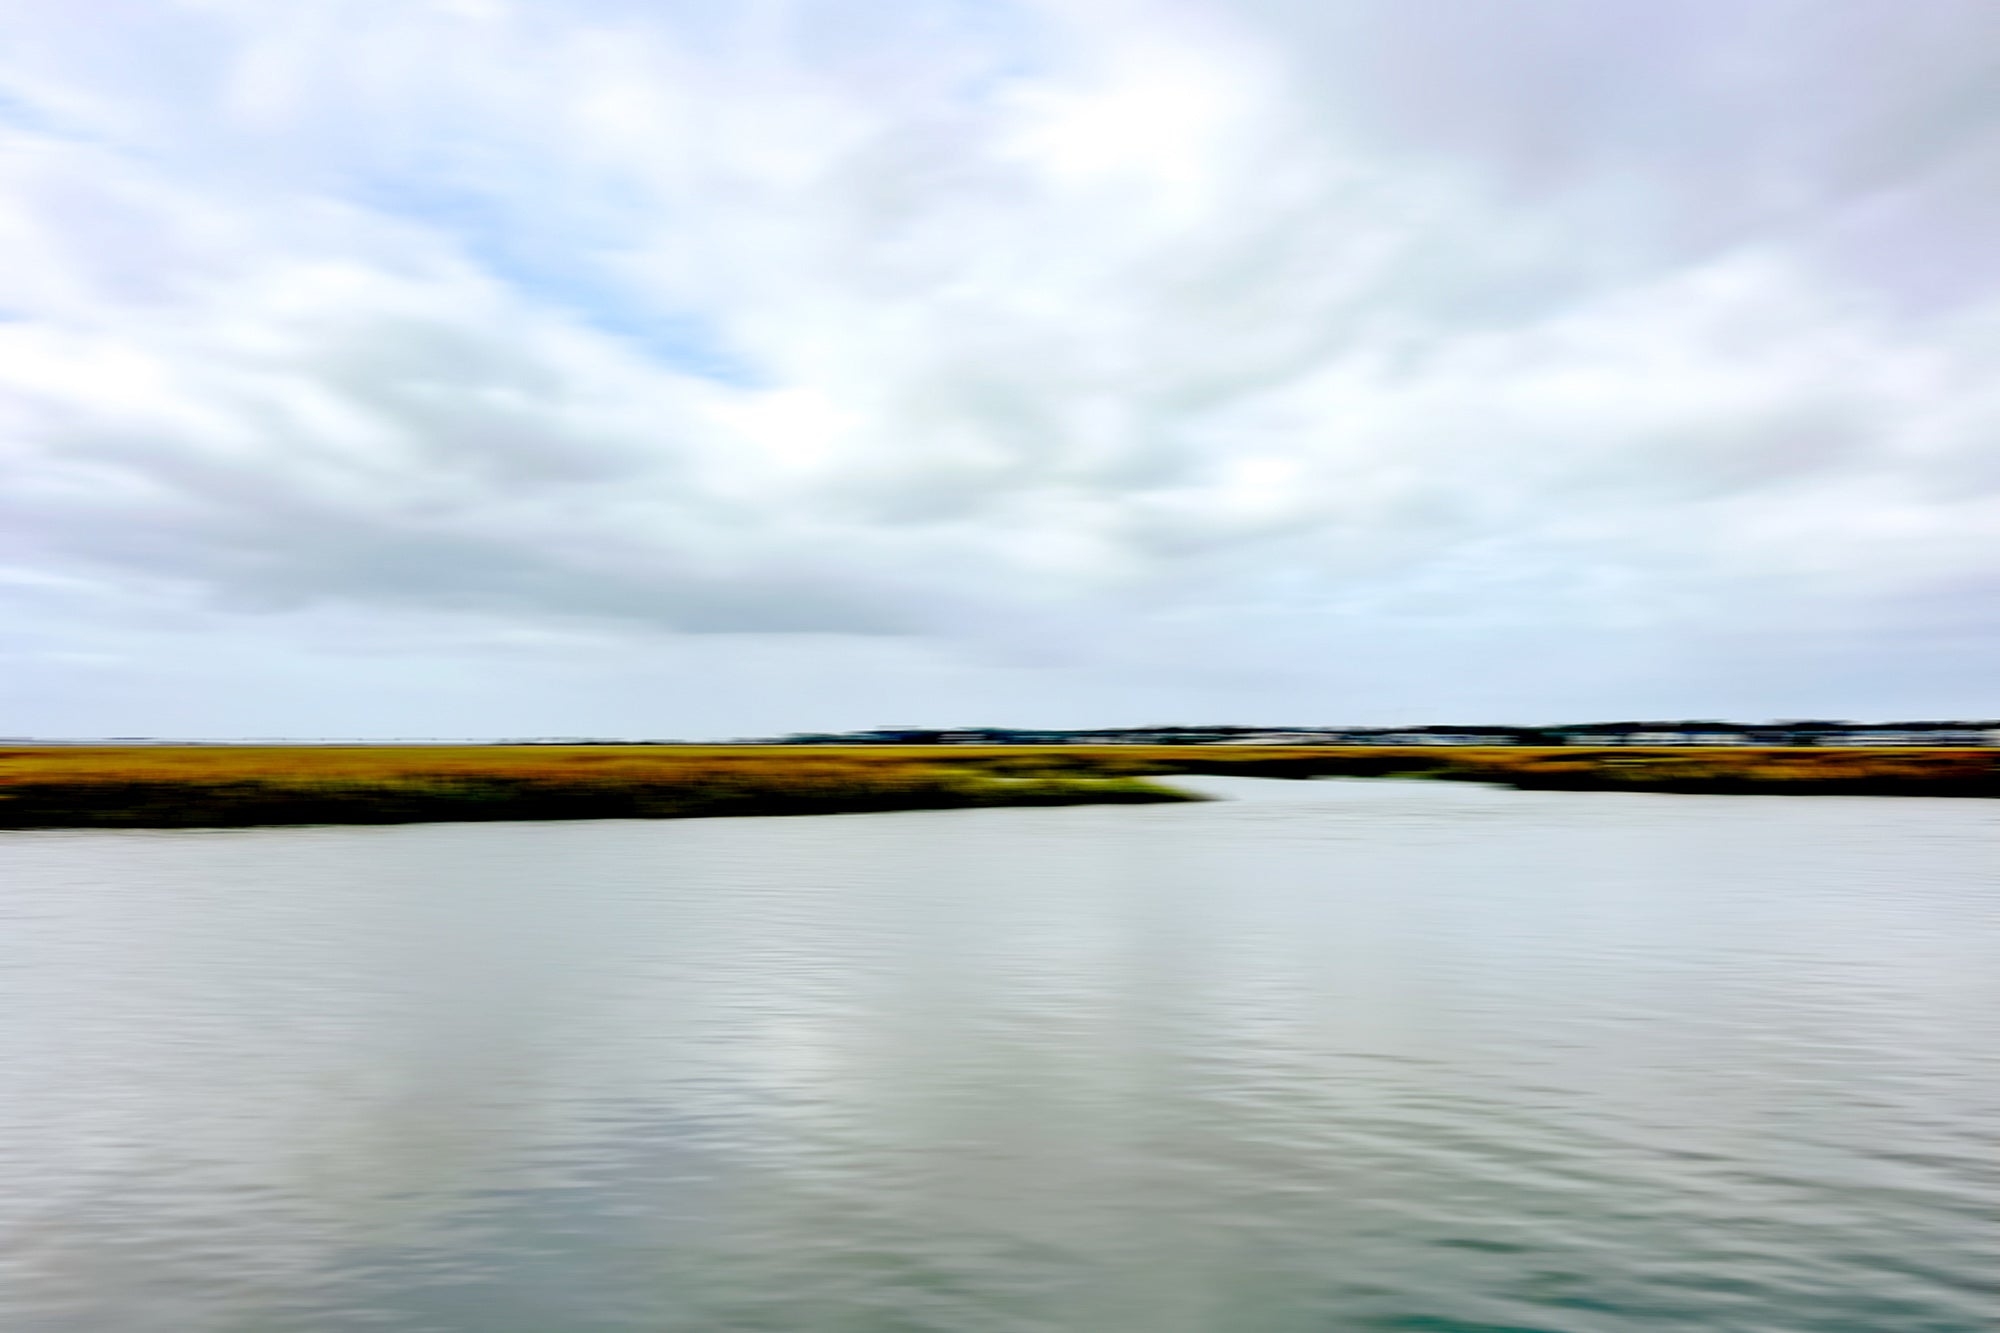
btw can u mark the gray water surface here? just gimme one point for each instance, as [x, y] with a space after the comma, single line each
[1333, 1056]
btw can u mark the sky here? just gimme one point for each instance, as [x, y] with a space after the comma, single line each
[474, 368]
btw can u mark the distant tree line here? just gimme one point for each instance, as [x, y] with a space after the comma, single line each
[1808, 731]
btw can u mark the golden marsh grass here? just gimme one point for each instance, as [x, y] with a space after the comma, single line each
[222, 786]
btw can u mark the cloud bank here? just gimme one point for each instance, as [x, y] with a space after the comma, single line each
[485, 367]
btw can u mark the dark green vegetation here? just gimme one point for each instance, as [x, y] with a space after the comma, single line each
[230, 786]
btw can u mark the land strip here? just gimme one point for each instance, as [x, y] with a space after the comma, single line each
[211, 786]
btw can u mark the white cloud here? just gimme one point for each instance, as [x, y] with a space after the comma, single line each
[1232, 358]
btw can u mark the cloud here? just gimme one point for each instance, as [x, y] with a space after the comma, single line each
[1179, 341]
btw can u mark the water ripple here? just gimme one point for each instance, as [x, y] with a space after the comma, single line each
[1336, 1057]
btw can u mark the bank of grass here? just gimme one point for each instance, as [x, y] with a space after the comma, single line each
[237, 786]
[1792, 771]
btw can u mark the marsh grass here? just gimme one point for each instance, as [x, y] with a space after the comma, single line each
[1796, 770]
[234, 786]
[1800, 771]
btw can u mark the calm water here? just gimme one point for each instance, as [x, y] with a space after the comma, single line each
[1331, 1056]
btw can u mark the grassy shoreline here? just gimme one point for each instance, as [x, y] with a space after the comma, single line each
[247, 786]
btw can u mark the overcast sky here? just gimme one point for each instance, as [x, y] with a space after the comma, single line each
[720, 367]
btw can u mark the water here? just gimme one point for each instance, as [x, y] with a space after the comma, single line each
[1329, 1056]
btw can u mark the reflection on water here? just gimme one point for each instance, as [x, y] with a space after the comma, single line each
[1329, 1056]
